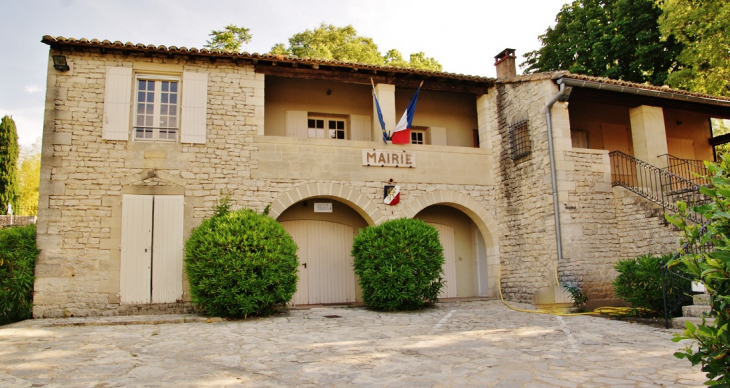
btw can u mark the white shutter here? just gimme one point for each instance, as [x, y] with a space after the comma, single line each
[135, 273]
[194, 107]
[167, 255]
[296, 123]
[438, 136]
[117, 103]
[360, 127]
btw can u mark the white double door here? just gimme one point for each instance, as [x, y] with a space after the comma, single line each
[326, 273]
[152, 248]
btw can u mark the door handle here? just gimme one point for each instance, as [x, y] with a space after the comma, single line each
[305, 265]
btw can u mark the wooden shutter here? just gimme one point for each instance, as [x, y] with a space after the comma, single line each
[360, 127]
[167, 254]
[296, 123]
[194, 107]
[438, 136]
[135, 273]
[117, 103]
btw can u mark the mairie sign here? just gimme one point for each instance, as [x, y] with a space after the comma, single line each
[388, 158]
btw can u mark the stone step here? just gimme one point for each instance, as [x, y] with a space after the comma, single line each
[695, 311]
[701, 299]
[679, 323]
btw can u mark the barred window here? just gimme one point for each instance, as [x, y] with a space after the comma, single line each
[519, 139]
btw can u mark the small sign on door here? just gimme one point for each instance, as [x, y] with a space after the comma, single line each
[323, 207]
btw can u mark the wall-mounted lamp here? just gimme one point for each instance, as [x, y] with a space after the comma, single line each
[59, 63]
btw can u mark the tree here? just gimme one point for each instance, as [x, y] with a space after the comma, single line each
[29, 170]
[8, 164]
[229, 39]
[618, 39]
[344, 44]
[703, 27]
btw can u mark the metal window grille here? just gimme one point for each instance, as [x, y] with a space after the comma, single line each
[519, 139]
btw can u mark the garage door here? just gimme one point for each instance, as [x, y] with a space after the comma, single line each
[446, 236]
[326, 274]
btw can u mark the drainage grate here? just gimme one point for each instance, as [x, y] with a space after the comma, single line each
[332, 316]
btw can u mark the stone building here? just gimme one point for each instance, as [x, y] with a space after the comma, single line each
[140, 141]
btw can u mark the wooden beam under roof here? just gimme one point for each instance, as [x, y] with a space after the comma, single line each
[433, 83]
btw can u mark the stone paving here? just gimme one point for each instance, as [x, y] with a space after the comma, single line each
[456, 344]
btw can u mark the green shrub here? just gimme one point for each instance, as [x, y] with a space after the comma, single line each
[241, 264]
[640, 283]
[18, 254]
[399, 264]
[711, 347]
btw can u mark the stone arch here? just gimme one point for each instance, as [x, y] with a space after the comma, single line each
[345, 194]
[478, 214]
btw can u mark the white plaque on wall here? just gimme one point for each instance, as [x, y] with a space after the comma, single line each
[323, 207]
[388, 158]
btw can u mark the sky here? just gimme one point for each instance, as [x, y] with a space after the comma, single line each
[463, 35]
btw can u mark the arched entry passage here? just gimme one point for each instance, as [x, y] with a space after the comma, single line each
[323, 229]
[476, 243]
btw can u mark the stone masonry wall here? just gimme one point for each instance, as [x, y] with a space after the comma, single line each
[523, 190]
[641, 226]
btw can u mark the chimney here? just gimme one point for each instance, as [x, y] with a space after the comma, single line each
[505, 63]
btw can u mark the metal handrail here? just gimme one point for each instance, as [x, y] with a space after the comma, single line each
[656, 184]
[690, 169]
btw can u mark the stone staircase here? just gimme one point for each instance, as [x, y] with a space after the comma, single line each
[700, 308]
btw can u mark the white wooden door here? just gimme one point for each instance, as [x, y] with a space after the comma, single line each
[298, 231]
[326, 272]
[135, 280]
[152, 248]
[446, 236]
[167, 249]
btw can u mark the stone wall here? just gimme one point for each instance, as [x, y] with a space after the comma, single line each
[522, 189]
[641, 226]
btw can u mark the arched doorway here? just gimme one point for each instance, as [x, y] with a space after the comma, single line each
[323, 229]
[465, 254]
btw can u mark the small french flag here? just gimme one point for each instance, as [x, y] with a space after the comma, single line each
[402, 131]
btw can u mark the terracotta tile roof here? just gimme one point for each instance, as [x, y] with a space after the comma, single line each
[95, 43]
[636, 85]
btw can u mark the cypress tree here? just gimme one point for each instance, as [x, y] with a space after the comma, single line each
[8, 165]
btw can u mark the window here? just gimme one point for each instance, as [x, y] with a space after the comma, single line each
[157, 108]
[335, 128]
[519, 139]
[418, 136]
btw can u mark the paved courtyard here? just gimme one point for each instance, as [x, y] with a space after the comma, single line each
[456, 344]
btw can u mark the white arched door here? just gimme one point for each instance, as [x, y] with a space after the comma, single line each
[326, 273]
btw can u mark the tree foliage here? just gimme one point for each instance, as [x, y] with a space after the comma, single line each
[618, 39]
[703, 27]
[344, 44]
[18, 254]
[712, 340]
[229, 39]
[29, 171]
[8, 164]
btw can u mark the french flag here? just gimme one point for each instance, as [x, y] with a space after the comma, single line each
[402, 131]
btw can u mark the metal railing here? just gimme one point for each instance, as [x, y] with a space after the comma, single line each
[656, 184]
[689, 169]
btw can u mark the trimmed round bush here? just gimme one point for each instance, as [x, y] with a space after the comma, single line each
[241, 264]
[399, 264]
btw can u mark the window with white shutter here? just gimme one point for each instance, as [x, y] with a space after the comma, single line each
[117, 102]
